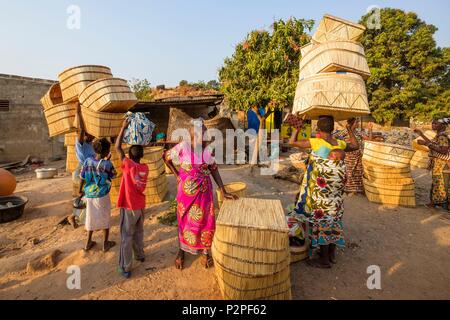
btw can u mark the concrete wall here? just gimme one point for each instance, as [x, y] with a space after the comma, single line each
[23, 129]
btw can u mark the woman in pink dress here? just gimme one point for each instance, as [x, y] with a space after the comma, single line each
[195, 210]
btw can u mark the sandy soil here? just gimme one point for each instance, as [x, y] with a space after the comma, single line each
[411, 246]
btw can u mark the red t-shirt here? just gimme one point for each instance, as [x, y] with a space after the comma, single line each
[132, 186]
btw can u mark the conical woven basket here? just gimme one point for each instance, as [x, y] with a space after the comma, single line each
[74, 80]
[251, 244]
[102, 124]
[341, 95]
[108, 95]
[420, 160]
[70, 139]
[332, 28]
[385, 154]
[335, 56]
[71, 159]
[237, 188]
[52, 97]
[402, 195]
[60, 118]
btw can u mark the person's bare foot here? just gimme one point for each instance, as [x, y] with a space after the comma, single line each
[72, 221]
[108, 245]
[179, 260]
[89, 245]
[207, 260]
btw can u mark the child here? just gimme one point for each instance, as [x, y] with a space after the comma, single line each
[96, 174]
[336, 154]
[131, 202]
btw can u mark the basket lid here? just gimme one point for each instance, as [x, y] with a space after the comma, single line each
[253, 213]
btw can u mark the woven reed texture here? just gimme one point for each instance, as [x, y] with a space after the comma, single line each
[299, 253]
[332, 28]
[71, 159]
[385, 154]
[70, 139]
[108, 95]
[430, 134]
[52, 97]
[401, 195]
[237, 188]
[74, 80]
[102, 124]
[60, 118]
[420, 160]
[335, 56]
[306, 48]
[342, 95]
[152, 154]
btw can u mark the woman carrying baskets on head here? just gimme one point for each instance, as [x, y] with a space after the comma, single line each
[321, 193]
[439, 164]
[195, 209]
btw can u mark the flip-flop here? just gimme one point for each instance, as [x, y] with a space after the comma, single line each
[90, 246]
[108, 246]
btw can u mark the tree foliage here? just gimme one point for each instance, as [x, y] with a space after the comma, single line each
[409, 73]
[141, 89]
[264, 68]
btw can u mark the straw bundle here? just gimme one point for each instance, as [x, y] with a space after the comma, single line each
[299, 253]
[108, 95]
[385, 154]
[420, 160]
[102, 124]
[60, 118]
[332, 28]
[237, 188]
[340, 95]
[335, 56]
[74, 80]
[71, 159]
[403, 195]
[251, 250]
[52, 97]
[70, 139]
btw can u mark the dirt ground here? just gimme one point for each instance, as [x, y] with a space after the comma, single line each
[410, 245]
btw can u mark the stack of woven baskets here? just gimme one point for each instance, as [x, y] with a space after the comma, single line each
[387, 174]
[332, 72]
[251, 250]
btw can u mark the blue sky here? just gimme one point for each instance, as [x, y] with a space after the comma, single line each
[163, 41]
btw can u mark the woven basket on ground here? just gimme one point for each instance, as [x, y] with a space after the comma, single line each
[108, 95]
[335, 56]
[420, 160]
[299, 253]
[332, 28]
[251, 250]
[374, 171]
[102, 124]
[342, 95]
[74, 80]
[401, 195]
[52, 97]
[60, 118]
[237, 188]
[385, 154]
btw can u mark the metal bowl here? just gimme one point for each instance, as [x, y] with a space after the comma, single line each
[13, 212]
[46, 173]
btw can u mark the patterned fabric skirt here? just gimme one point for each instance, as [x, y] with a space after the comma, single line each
[438, 195]
[354, 172]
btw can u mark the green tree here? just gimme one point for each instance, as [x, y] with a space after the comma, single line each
[409, 73]
[141, 89]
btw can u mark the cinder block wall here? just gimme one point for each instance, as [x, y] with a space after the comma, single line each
[23, 130]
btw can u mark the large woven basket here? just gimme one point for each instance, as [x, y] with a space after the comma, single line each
[420, 160]
[332, 28]
[385, 154]
[102, 124]
[335, 56]
[70, 139]
[251, 250]
[401, 195]
[74, 80]
[237, 188]
[152, 154]
[299, 253]
[52, 97]
[341, 95]
[108, 95]
[71, 159]
[373, 171]
[60, 118]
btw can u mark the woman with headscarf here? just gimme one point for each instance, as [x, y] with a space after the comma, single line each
[439, 156]
[195, 209]
[321, 202]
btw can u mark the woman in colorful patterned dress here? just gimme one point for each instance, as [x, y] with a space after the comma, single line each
[438, 146]
[321, 202]
[195, 210]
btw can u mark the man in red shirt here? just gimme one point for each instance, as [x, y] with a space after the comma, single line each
[131, 202]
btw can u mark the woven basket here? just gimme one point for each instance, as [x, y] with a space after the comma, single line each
[70, 139]
[74, 80]
[71, 159]
[251, 244]
[332, 28]
[418, 147]
[420, 160]
[299, 253]
[152, 154]
[237, 188]
[335, 56]
[402, 195]
[385, 154]
[108, 95]
[374, 171]
[341, 95]
[306, 48]
[52, 97]
[60, 118]
[102, 124]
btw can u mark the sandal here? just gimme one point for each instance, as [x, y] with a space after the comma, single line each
[108, 245]
[89, 246]
[207, 260]
[179, 260]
